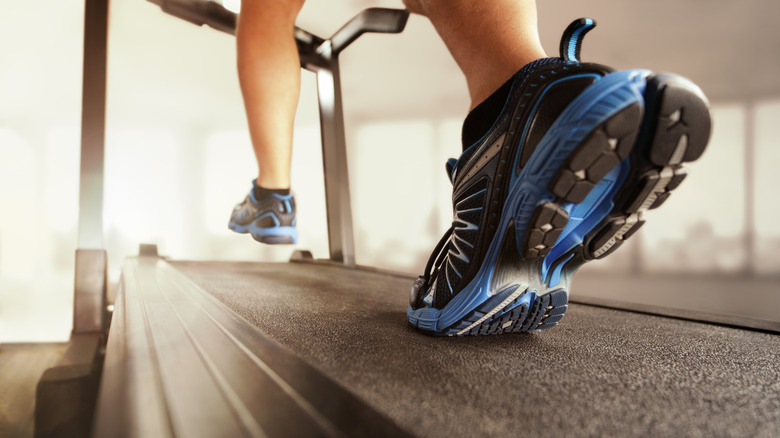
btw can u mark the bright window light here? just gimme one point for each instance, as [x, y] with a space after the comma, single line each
[394, 210]
[143, 198]
[21, 217]
[60, 178]
[230, 167]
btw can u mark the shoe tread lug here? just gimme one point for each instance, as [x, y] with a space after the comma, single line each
[596, 156]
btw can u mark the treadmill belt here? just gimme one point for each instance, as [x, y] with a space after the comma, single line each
[601, 372]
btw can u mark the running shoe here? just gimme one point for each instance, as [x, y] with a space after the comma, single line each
[269, 220]
[575, 156]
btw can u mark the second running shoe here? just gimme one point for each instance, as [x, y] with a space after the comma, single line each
[270, 219]
[576, 155]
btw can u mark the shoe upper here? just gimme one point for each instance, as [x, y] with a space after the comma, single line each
[272, 211]
[523, 110]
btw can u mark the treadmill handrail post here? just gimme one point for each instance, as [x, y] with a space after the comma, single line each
[341, 240]
[90, 285]
[93, 125]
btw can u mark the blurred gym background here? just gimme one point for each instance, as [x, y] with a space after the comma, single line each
[178, 153]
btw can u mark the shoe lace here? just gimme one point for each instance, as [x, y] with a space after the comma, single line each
[438, 251]
[437, 254]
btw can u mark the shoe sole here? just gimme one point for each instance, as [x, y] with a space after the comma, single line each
[270, 236]
[614, 153]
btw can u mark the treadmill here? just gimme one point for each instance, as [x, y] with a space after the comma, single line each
[323, 348]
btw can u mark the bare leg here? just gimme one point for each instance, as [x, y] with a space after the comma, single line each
[490, 40]
[269, 74]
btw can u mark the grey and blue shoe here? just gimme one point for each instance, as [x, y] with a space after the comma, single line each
[573, 156]
[270, 219]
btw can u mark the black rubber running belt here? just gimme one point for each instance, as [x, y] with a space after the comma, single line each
[601, 372]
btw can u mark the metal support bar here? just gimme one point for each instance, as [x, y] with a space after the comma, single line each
[90, 280]
[341, 240]
[93, 124]
[334, 162]
[750, 176]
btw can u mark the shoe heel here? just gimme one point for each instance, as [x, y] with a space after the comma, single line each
[678, 118]
[675, 129]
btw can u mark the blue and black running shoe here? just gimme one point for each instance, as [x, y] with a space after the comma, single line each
[270, 219]
[576, 154]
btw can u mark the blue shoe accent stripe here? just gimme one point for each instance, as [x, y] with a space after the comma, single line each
[584, 216]
[263, 216]
[275, 231]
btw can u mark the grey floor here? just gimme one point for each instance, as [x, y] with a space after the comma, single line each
[21, 366]
[601, 372]
[732, 299]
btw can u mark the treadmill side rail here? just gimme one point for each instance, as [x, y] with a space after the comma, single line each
[179, 363]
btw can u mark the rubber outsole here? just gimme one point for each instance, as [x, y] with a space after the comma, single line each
[675, 130]
[270, 236]
[625, 165]
[275, 240]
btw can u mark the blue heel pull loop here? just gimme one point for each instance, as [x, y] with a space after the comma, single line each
[571, 41]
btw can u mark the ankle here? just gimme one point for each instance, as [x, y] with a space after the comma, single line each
[272, 181]
[483, 83]
[485, 112]
[260, 192]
